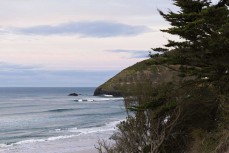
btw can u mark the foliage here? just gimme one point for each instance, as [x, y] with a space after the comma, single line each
[191, 115]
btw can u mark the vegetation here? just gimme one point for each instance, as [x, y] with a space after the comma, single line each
[190, 111]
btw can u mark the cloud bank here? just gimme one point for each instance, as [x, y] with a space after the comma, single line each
[134, 53]
[7, 67]
[12, 75]
[84, 29]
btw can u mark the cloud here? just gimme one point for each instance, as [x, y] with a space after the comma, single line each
[12, 67]
[84, 29]
[133, 53]
[12, 75]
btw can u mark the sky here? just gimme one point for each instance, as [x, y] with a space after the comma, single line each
[75, 43]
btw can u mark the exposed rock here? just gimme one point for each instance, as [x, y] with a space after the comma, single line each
[100, 91]
[73, 94]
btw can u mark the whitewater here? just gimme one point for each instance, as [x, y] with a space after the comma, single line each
[47, 120]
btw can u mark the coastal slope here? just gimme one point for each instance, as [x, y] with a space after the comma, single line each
[202, 120]
[150, 70]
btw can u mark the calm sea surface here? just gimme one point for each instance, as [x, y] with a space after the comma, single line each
[48, 116]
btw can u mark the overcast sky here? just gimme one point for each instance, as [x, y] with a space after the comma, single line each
[75, 42]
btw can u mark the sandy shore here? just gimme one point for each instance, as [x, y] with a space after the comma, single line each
[87, 151]
[82, 144]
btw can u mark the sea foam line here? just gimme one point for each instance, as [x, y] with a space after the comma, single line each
[98, 99]
[107, 127]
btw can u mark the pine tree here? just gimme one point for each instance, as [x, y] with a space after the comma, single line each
[203, 29]
[191, 114]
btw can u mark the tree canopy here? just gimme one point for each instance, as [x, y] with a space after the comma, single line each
[190, 114]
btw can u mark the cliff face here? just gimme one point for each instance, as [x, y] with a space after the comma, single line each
[145, 71]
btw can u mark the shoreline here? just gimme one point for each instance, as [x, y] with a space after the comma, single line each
[87, 151]
[49, 121]
[82, 144]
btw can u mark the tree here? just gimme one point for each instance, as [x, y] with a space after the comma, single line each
[192, 114]
[203, 29]
[203, 51]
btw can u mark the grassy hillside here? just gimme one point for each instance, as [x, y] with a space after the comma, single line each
[151, 70]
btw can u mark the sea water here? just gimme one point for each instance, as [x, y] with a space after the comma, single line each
[47, 120]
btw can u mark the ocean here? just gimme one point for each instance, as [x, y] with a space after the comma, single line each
[47, 120]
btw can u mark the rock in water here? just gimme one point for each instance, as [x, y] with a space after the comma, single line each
[73, 94]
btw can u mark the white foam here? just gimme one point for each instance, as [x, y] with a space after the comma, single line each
[29, 141]
[114, 123]
[103, 99]
[111, 126]
[97, 99]
[3, 145]
[83, 100]
[41, 140]
[107, 127]
[61, 137]
[79, 100]
[75, 128]
[107, 99]
[107, 95]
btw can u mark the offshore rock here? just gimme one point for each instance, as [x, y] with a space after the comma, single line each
[73, 94]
